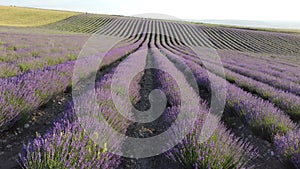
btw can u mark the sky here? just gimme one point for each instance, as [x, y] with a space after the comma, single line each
[275, 10]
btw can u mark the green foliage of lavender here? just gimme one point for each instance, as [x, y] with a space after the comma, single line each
[67, 146]
[23, 93]
[221, 151]
[288, 147]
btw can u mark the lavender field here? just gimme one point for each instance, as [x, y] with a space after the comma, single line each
[43, 126]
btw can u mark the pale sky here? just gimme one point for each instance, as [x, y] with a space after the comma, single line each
[280, 10]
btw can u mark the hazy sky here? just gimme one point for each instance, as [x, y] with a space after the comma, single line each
[287, 10]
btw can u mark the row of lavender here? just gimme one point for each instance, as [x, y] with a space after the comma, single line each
[268, 118]
[173, 29]
[23, 52]
[26, 92]
[263, 117]
[288, 102]
[222, 149]
[286, 70]
[69, 145]
[251, 41]
[268, 79]
[81, 23]
[23, 93]
[289, 83]
[186, 33]
[286, 144]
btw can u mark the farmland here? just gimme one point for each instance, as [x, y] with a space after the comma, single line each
[26, 17]
[43, 124]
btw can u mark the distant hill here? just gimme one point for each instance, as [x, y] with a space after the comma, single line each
[27, 17]
[274, 26]
[254, 24]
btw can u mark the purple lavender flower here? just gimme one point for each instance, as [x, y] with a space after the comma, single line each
[288, 147]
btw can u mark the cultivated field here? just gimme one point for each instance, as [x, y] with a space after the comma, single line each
[25, 17]
[39, 122]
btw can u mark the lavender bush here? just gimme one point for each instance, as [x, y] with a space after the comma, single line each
[288, 147]
[67, 146]
[222, 150]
